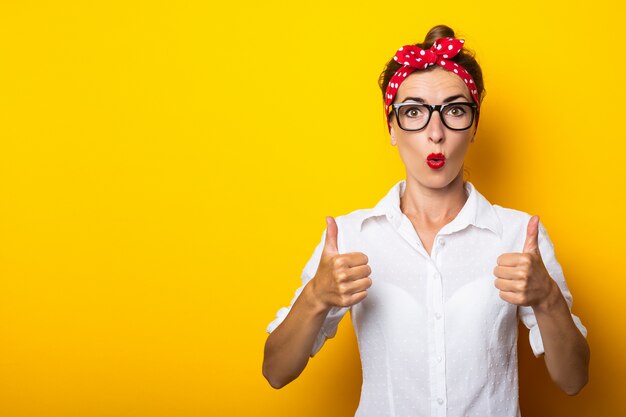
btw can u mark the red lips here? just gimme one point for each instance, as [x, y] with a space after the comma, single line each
[436, 160]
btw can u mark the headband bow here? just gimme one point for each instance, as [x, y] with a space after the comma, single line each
[412, 58]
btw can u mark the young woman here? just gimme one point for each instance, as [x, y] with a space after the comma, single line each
[434, 275]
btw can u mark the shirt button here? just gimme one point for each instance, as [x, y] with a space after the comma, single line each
[436, 275]
[437, 316]
[442, 242]
[439, 358]
[440, 401]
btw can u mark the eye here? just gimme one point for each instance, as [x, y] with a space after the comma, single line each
[413, 112]
[456, 111]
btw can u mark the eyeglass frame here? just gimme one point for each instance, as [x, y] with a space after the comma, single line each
[431, 108]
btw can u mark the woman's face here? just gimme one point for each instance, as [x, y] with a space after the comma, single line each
[436, 86]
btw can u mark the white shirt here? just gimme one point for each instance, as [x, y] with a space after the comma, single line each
[434, 336]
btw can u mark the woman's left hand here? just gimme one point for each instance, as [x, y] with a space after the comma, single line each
[522, 278]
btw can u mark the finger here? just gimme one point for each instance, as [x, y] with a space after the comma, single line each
[358, 272]
[359, 285]
[511, 297]
[353, 259]
[330, 243]
[511, 259]
[506, 285]
[508, 272]
[531, 245]
[358, 297]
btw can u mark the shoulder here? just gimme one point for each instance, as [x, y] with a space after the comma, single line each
[511, 218]
[507, 216]
[349, 224]
[515, 225]
[353, 218]
[511, 224]
[349, 227]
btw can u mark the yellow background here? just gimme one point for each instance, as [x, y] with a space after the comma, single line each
[166, 168]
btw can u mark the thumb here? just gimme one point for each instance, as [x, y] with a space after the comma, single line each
[532, 231]
[330, 244]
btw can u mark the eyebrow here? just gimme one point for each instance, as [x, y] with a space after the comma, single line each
[447, 100]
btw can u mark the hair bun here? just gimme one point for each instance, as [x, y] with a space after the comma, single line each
[436, 32]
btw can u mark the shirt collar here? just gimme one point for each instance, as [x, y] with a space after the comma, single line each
[477, 211]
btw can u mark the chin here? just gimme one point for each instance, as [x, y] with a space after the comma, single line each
[436, 179]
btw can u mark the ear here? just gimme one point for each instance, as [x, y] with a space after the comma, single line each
[392, 132]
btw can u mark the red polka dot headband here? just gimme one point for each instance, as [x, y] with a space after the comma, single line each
[412, 58]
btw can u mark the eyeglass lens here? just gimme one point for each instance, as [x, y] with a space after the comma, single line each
[454, 115]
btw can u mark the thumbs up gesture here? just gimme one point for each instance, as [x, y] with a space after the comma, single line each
[341, 280]
[522, 278]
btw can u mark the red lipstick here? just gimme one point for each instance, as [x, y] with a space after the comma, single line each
[436, 160]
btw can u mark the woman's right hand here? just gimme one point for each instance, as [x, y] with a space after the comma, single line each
[341, 280]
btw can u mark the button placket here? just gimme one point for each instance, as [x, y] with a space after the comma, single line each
[408, 233]
[438, 245]
[437, 318]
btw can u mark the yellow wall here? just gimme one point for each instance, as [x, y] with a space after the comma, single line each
[166, 168]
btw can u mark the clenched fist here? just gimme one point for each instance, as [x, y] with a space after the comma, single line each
[341, 280]
[522, 278]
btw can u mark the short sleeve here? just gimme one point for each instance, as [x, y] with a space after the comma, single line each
[329, 328]
[546, 248]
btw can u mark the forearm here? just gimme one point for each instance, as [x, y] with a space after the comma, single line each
[566, 349]
[288, 347]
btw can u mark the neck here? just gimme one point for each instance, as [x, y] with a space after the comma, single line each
[433, 206]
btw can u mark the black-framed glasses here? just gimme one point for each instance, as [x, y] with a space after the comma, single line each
[415, 116]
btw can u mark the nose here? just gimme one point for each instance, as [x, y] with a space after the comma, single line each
[435, 128]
